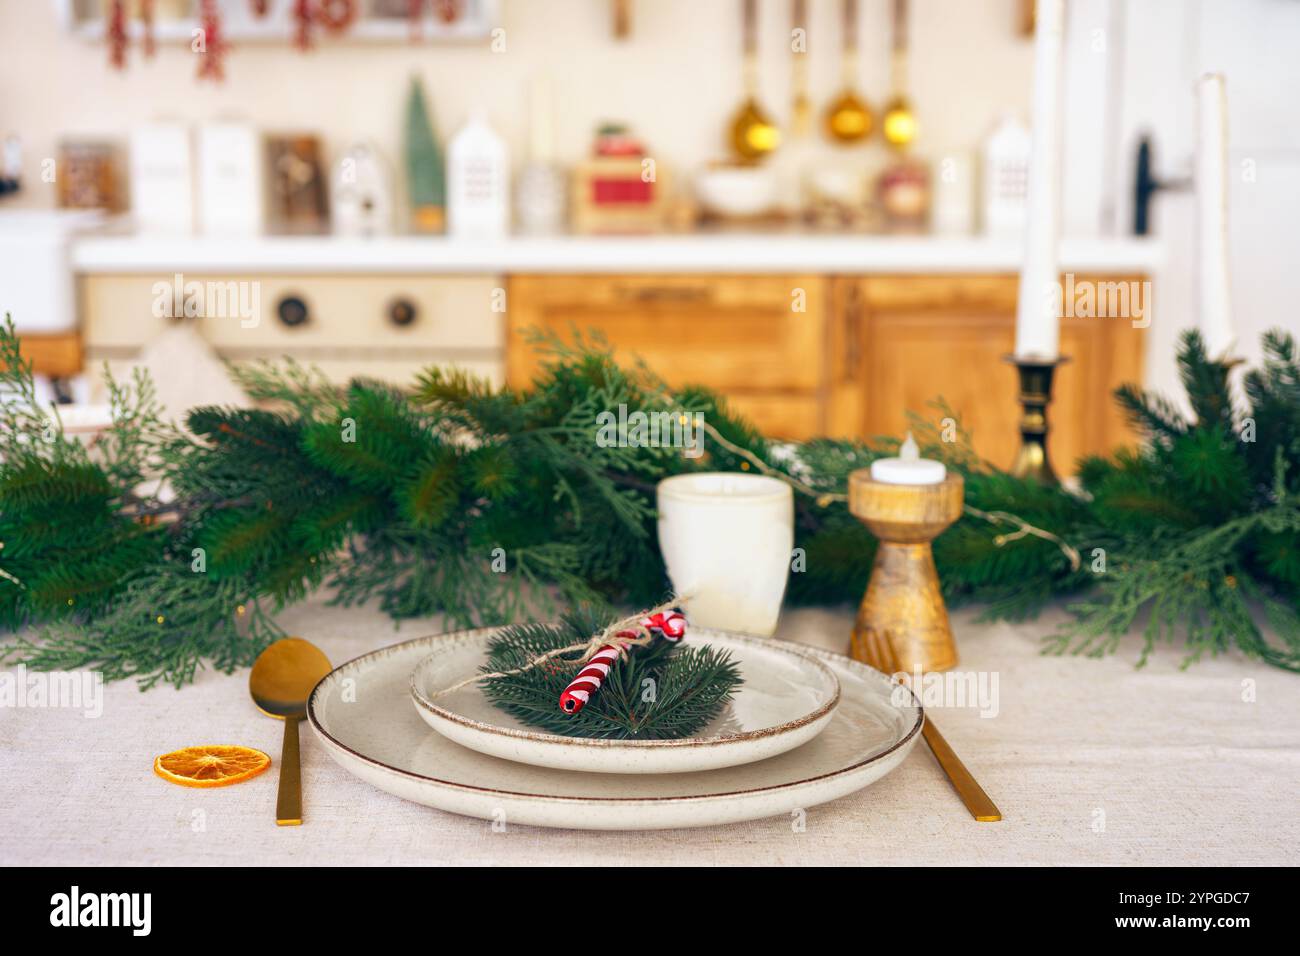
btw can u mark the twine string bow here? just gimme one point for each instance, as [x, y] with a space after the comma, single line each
[625, 634]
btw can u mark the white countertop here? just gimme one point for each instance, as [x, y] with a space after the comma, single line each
[726, 252]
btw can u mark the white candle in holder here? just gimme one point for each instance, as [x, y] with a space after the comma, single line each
[909, 468]
[1212, 216]
[1038, 321]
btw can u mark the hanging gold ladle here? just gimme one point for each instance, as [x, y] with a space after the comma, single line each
[849, 119]
[753, 134]
[899, 125]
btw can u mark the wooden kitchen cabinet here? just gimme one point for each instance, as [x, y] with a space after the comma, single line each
[905, 341]
[57, 355]
[759, 340]
[864, 351]
[799, 354]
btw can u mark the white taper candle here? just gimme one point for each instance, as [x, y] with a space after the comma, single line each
[1038, 330]
[1212, 216]
[541, 121]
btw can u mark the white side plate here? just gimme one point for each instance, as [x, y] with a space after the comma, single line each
[787, 698]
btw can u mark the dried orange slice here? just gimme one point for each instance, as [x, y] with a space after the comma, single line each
[212, 765]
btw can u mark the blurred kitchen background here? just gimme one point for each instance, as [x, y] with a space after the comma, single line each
[815, 206]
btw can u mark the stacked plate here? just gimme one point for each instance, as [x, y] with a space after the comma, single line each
[805, 727]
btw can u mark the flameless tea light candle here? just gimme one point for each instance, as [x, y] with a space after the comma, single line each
[909, 468]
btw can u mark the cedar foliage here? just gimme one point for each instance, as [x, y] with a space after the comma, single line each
[164, 548]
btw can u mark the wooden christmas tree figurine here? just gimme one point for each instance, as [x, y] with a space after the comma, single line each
[425, 170]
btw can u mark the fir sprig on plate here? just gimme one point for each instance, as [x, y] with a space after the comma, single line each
[662, 691]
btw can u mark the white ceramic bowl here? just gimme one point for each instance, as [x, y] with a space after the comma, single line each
[736, 191]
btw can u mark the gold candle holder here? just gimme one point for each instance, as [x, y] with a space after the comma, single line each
[1032, 461]
[903, 606]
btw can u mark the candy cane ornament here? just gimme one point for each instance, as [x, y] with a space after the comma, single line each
[670, 625]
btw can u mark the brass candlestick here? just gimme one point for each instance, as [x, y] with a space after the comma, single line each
[903, 606]
[1032, 461]
[1223, 368]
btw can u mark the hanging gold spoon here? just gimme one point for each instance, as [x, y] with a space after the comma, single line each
[849, 119]
[899, 126]
[753, 135]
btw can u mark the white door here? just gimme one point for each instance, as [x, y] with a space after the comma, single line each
[1167, 45]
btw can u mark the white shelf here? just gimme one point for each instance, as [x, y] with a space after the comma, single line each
[727, 253]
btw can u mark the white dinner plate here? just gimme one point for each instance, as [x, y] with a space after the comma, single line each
[787, 698]
[363, 716]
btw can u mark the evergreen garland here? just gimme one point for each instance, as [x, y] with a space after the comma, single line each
[164, 547]
[662, 691]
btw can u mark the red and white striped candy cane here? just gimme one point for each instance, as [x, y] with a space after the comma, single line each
[670, 625]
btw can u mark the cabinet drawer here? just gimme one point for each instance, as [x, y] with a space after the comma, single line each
[762, 292]
[726, 332]
[983, 293]
[459, 313]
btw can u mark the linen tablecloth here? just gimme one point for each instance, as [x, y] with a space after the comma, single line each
[1090, 761]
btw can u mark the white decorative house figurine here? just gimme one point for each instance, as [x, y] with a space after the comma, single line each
[1006, 178]
[361, 194]
[478, 183]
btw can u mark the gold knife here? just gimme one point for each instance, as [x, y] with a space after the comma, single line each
[983, 809]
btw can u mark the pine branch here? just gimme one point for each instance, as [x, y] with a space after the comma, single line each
[167, 623]
[491, 505]
[1151, 414]
[662, 691]
[1205, 381]
[1196, 587]
[290, 385]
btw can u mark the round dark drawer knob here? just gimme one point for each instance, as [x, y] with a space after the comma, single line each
[292, 311]
[402, 312]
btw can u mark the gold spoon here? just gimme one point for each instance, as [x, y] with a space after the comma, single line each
[849, 118]
[753, 135]
[281, 680]
[899, 124]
